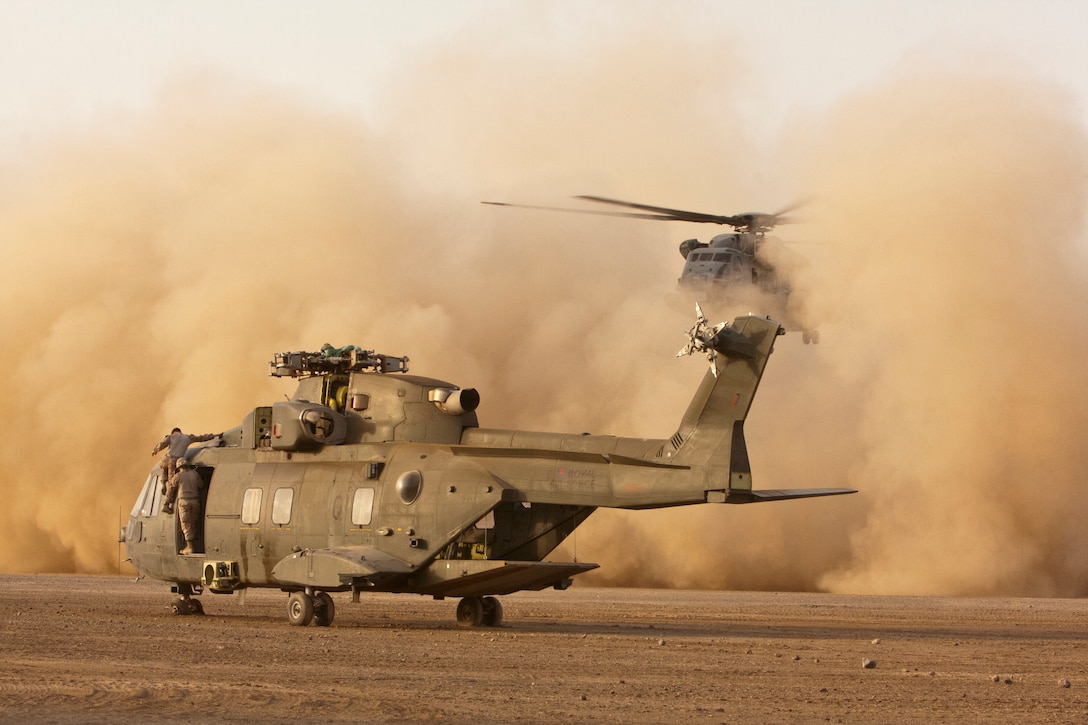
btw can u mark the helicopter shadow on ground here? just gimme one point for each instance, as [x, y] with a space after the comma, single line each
[422, 618]
[743, 628]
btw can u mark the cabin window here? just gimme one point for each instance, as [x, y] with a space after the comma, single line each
[720, 257]
[251, 506]
[281, 505]
[362, 506]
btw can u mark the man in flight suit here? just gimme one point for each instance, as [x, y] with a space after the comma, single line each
[176, 444]
[185, 487]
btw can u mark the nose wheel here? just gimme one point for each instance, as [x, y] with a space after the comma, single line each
[185, 605]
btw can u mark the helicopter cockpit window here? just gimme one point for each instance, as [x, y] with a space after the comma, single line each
[251, 505]
[145, 504]
[281, 505]
[362, 506]
[720, 256]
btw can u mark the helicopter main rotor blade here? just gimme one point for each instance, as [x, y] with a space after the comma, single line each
[629, 215]
[752, 222]
[780, 214]
[678, 215]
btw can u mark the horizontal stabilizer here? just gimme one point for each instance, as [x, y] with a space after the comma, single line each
[778, 494]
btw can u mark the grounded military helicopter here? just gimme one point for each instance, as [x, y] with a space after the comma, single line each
[370, 480]
[732, 266]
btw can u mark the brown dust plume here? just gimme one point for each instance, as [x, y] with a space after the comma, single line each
[949, 386]
[958, 204]
[156, 262]
[153, 269]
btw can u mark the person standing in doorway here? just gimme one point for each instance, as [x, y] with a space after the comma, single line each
[185, 488]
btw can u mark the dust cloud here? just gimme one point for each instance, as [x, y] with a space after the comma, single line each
[155, 262]
[949, 386]
[958, 204]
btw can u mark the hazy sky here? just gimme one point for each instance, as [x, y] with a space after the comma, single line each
[64, 62]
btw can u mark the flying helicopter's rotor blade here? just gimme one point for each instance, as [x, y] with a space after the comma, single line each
[752, 221]
[630, 215]
[757, 221]
[779, 217]
[678, 215]
[788, 208]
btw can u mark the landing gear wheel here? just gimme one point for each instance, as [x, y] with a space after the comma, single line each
[185, 605]
[300, 609]
[470, 612]
[492, 612]
[324, 609]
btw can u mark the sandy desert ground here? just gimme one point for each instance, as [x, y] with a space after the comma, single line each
[84, 649]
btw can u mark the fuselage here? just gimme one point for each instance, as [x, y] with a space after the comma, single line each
[372, 479]
[496, 494]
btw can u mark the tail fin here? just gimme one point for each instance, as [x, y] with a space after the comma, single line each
[711, 434]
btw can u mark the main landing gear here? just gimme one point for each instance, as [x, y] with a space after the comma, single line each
[305, 607]
[479, 612]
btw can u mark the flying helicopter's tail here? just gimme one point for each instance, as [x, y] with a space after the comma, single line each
[710, 438]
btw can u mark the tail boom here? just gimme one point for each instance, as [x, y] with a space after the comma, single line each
[705, 461]
[710, 439]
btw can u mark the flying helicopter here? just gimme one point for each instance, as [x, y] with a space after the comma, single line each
[369, 479]
[734, 267]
